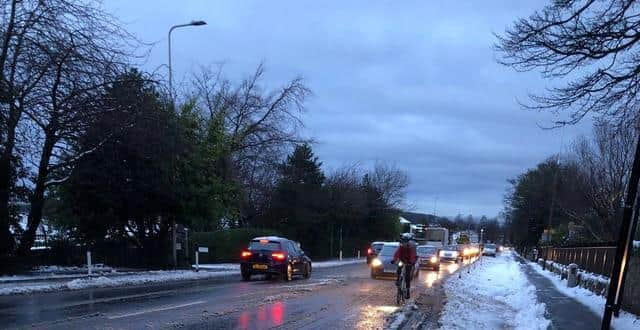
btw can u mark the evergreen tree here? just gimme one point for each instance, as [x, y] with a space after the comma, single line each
[299, 198]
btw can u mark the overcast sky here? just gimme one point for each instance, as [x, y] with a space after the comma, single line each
[412, 83]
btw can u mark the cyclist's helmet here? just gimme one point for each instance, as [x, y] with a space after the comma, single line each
[405, 237]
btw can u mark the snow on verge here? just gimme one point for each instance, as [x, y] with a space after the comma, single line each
[160, 276]
[589, 299]
[316, 265]
[495, 294]
[335, 263]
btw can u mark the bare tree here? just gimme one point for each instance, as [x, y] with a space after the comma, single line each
[591, 43]
[57, 58]
[604, 163]
[391, 182]
[261, 127]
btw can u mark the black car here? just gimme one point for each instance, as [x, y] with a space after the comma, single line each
[428, 257]
[274, 256]
[373, 251]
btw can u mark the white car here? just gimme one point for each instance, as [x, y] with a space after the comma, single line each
[490, 250]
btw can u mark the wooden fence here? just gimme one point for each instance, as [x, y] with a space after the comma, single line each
[599, 260]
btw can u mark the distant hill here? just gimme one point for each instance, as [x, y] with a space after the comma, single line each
[422, 218]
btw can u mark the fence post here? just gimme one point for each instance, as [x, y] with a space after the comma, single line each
[197, 264]
[89, 261]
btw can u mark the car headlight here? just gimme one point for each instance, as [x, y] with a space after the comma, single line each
[465, 252]
[376, 262]
[434, 259]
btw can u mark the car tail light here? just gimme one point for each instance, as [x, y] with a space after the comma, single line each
[280, 256]
[246, 254]
[369, 251]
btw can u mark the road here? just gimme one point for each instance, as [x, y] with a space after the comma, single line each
[336, 297]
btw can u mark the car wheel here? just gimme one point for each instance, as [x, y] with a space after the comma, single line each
[288, 273]
[307, 271]
[373, 274]
[246, 276]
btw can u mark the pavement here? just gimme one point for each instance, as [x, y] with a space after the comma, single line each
[564, 312]
[334, 297]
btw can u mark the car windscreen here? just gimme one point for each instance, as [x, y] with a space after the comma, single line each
[376, 247]
[490, 246]
[264, 245]
[426, 250]
[388, 250]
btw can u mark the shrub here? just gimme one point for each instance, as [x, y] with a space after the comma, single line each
[225, 245]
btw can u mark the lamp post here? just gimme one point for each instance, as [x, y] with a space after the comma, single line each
[192, 23]
[173, 106]
[481, 234]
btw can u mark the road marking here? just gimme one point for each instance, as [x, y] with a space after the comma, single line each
[159, 309]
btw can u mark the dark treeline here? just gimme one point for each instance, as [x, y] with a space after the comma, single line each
[94, 151]
[578, 194]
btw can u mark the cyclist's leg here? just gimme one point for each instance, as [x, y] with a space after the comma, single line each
[398, 273]
[408, 275]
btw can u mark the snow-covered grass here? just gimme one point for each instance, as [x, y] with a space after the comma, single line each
[102, 281]
[335, 263]
[495, 294]
[218, 267]
[8, 284]
[589, 299]
[316, 265]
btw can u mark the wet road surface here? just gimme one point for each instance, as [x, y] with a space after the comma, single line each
[336, 297]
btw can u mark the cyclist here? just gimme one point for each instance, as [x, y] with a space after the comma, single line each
[406, 253]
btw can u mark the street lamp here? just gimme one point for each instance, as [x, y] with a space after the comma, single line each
[192, 23]
[481, 234]
[173, 106]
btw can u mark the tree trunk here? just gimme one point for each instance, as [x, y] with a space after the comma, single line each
[6, 241]
[37, 198]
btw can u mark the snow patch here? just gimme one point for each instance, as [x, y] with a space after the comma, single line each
[495, 294]
[335, 263]
[591, 300]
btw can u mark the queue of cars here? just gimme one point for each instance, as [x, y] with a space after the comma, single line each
[281, 257]
[380, 254]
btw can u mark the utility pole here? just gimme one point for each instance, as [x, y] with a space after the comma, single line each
[625, 241]
[553, 202]
[435, 204]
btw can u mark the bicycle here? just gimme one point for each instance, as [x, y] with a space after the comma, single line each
[402, 286]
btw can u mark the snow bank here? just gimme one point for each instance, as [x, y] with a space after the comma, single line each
[335, 263]
[495, 294]
[58, 282]
[218, 267]
[102, 281]
[316, 265]
[590, 299]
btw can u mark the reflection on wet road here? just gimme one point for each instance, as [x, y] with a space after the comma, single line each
[338, 297]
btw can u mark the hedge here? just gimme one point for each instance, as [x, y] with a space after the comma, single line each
[225, 245]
